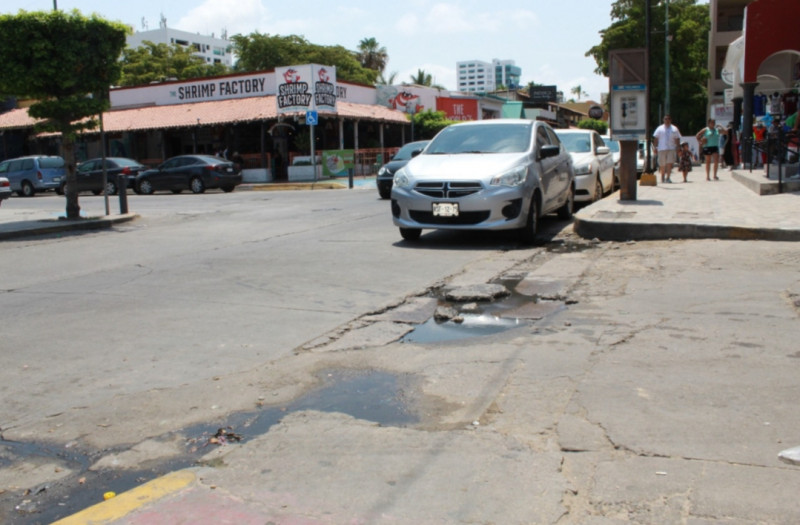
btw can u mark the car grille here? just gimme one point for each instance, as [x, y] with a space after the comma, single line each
[448, 189]
[469, 217]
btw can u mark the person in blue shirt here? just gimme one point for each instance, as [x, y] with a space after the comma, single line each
[709, 139]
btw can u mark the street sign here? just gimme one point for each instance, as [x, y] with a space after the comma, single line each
[312, 118]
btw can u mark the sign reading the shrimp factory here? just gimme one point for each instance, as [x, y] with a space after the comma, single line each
[305, 88]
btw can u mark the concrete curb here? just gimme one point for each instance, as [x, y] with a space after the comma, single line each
[19, 229]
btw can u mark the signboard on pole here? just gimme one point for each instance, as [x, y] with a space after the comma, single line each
[305, 88]
[628, 100]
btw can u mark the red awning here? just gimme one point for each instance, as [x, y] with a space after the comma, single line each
[218, 112]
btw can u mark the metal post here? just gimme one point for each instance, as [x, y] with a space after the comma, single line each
[103, 160]
[666, 57]
[648, 136]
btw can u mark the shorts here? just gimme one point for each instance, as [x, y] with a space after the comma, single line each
[710, 150]
[666, 156]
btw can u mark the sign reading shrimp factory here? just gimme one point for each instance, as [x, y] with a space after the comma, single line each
[305, 88]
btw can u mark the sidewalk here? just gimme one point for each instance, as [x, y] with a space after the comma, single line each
[738, 206]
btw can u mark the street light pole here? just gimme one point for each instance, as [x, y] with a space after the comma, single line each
[666, 57]
[55, 5]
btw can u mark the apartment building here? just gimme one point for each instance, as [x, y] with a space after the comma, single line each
[212, 49]
[475, 76]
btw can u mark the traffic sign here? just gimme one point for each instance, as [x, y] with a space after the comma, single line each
[312, 118]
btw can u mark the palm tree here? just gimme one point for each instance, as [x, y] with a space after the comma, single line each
[372, 55]
[424, 79]
[579, 92]
[387, 81]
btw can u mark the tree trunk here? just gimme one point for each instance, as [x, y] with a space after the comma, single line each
[71, 190]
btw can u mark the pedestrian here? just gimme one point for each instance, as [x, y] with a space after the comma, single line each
[708, 137]
[685, 161]
[667, 139]
[727, 150]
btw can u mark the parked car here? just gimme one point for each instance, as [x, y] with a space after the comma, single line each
[613, 145]
[400, 159]
[90, 174]
[190, 172]
[5, 189]
[594, 165]
[29, 175]
[500, 174]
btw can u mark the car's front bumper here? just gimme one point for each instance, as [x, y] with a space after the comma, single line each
[584, 187]
[492, 208]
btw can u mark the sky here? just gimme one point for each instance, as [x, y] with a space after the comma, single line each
[547, 39]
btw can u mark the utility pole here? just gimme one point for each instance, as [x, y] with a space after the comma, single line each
[55, 5]
[666, 57]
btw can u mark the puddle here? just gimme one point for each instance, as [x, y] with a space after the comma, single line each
[480, 318]
[371, 395]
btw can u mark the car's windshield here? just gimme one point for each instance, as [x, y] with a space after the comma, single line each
[51, 162]
[405, 152]
[576, 142]
[613, 145]
[488, 138]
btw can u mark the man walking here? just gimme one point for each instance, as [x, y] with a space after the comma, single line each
[667, 139]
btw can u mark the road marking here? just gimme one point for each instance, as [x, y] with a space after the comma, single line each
[125, 503]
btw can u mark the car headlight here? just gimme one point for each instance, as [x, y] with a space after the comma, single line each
[583, 169]
[515, 177]
[401, 179]
[383, 171]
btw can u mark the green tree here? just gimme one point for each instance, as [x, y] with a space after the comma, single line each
[688, 55]
[428, 123]
[259, 52]
[66, 62]
[372, 55]
[158, 62]
[600, 126]
[579, 92]
[424, 79]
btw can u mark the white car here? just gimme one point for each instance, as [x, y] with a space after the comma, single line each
[497, 174]
[5, 189]
[594, 164]
[613, 145]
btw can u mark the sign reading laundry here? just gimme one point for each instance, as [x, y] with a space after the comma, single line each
[306, 87]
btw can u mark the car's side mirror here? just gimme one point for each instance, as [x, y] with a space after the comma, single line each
[603, 150]
[415, 153]
[548, 151]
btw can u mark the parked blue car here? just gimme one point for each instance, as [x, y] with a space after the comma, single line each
[29, 175]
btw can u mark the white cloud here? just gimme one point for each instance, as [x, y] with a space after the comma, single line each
[212, 16]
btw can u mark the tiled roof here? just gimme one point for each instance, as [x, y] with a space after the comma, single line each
[206, 113]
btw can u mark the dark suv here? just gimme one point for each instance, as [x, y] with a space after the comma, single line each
[386, 173]
[29, 175]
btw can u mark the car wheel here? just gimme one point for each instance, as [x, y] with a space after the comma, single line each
[27, 189]
[146, 187]
[527, 234]
[196, 185]
[176, 190]
[111, 188]
[60, 190]
[228, 189]
[568, 208]
[410, 234]
[384, 193]
[97, 192]
[598, 189]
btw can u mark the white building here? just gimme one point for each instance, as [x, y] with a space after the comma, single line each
[475, 76]
[213, 50]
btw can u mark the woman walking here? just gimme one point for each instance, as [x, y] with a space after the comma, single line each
[708, 138]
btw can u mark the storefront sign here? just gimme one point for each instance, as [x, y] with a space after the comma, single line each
[304, 88]
[458, 108]
[335, 163]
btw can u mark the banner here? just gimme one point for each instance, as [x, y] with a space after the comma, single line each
[304, 88]
[458, 108]
[335, 163]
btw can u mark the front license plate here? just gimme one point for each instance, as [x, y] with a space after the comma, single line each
[445, 209]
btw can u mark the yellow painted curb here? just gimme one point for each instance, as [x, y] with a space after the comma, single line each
[125, 503]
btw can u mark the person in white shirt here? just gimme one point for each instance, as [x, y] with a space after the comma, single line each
[667, 140]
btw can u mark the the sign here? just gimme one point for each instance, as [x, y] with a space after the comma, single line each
[458, 108]
[304, 88]
[628, 100]
[543, 94]
[596, 112]
[312, 118]
[335, 163]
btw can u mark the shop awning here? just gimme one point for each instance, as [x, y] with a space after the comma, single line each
[207, 114]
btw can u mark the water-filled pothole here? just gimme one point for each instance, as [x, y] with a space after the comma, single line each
[377, 396]
[476, 316]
